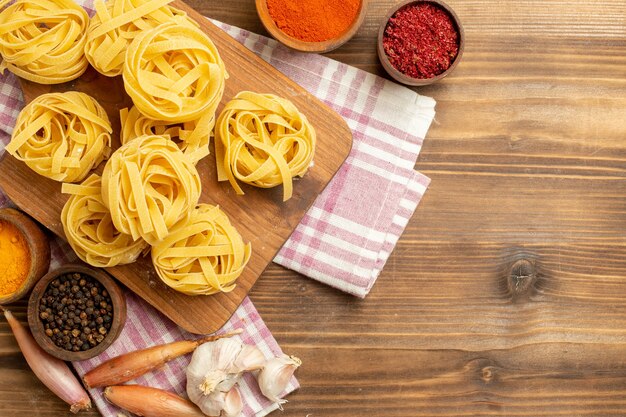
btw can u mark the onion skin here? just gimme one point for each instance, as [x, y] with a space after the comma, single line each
[150, 402]
[53, 372]
[127, 367]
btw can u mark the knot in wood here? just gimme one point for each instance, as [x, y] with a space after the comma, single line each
[521, 277]
[487, 374]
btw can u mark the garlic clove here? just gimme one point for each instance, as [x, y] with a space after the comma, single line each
[222, 404]
[233, 404]
[225, 352]
[249, 359]
[212, 405]
[228, 382]
[275, 375]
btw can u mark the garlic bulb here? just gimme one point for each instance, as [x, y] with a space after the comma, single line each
[275, 376]
[214, 370]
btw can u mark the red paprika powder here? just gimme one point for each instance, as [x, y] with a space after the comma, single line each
[421, 40]
[314, 20]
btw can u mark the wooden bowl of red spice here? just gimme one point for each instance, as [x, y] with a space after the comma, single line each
[76, 312]
[420, 42]
[312, 25]
[24, 255]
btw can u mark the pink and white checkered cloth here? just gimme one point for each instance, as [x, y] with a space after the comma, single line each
[345, 239]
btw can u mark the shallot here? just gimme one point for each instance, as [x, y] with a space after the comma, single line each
[150, 402]
[53, 372]
[129, 366]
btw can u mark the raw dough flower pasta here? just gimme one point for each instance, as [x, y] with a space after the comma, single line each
[62, 136]
[192, 137]
[174, 72]
[148, 185]
[89, 229]
[263, 140]
[43, 40]
[204, 254]
[116, 23]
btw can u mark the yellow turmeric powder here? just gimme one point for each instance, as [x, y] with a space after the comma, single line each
[14, 258]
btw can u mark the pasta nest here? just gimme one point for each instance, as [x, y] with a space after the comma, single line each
[43, 40]
[116, 23]
[62, 136]
[148, 185]
[191, 137]
[89, 229]
[263, 140]
[174, 72]
[204, 254]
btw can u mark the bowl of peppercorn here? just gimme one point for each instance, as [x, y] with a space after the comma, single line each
[420, 41]
[76, 312]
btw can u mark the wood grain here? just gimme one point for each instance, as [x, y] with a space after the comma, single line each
[527, 159]
[260, 215]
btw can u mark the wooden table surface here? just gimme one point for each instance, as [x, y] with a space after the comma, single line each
[527, 157]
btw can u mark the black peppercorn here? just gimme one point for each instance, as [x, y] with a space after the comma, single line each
[76, 312]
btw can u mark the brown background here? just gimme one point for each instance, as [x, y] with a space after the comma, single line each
[527, 156]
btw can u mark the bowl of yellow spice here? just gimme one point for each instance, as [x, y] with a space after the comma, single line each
[24, 255]
[313, 25]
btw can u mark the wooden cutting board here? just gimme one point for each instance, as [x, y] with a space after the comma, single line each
[260, 215]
